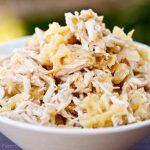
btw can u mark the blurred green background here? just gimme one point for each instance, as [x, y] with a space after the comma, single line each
[19, 17]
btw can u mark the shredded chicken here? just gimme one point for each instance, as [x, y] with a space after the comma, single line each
[78, 75]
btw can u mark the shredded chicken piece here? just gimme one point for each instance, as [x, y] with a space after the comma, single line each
[78, 75]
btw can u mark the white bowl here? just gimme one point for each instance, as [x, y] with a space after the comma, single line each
[34, 137]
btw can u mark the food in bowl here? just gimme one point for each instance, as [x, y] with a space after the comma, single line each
[79, 75]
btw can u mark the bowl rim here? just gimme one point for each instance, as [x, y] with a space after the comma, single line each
[68, 131]
[73, 131]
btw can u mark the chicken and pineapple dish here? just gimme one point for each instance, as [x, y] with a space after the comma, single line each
[79, 75]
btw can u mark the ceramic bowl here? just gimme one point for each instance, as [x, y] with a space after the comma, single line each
[34, 137]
